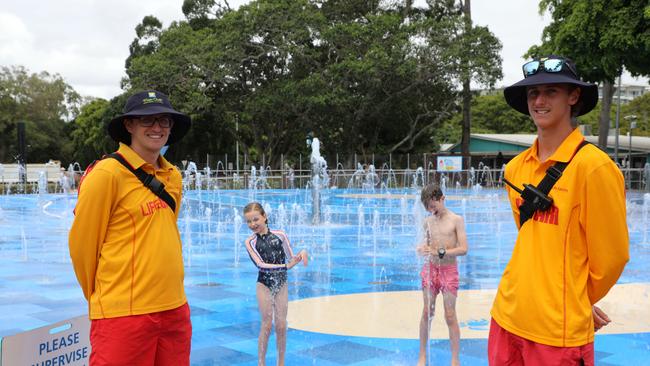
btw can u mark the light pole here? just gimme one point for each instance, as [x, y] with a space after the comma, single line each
[237, 143]
[632, 119]
[618, 114]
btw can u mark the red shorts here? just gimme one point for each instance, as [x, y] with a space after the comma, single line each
[443, 278]
[505, 348]
[160, 339]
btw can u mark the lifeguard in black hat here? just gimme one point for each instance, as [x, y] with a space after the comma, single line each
[568, 201]
[125, 244]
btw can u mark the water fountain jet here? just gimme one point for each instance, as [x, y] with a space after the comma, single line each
[319, 180]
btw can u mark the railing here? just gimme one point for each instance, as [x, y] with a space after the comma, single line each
[11, 173]
[340, 178]
[635, 179]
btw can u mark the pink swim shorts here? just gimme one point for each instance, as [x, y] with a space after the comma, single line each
[440, 278]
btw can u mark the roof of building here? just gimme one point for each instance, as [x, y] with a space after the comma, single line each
[514, 143]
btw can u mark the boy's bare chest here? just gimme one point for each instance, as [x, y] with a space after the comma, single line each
[439, 229]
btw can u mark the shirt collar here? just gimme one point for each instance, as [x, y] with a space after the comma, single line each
[566, 149]
[136, 161]
[264, 236]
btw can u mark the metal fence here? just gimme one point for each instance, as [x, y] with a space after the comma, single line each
[635, 179]
[368, 178]
[339, 178]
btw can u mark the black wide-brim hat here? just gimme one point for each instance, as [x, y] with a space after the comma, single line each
[516, 94]
[147, 103]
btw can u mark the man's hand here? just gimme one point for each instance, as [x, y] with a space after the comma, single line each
[600, 318]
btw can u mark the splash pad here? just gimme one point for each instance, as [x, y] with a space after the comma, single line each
[356, 302]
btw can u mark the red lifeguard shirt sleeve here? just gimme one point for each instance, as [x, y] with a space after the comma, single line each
[88, 231]
[603, 218]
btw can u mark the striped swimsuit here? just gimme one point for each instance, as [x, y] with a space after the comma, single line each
[271, 248]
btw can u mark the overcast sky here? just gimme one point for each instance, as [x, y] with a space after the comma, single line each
[87, 41]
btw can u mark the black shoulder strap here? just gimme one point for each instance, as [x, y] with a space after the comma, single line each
[553, 174]
[149, 181]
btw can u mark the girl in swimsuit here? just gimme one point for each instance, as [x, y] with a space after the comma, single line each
[272, 254]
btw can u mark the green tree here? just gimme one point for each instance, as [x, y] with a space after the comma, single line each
[89, 138]
[45, 103]
[639, 107]
[479, 59]
[146, 41]
[385, 92]
[491, 114]
[361, 76]
[603, 37]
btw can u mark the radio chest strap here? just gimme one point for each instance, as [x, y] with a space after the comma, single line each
[149, 181]
[553, 174]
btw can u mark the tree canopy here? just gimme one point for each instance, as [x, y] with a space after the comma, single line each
[361, 76]
[603, 37]
[45, 103]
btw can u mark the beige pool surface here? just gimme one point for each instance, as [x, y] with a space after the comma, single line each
[397, 314]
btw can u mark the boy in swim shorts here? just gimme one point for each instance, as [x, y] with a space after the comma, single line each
[446, 239]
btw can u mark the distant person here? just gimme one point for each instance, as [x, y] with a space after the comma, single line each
[64, 181]
[499, 161]
[572, 243]
[446, 239]
[125, 245]
[271, 252]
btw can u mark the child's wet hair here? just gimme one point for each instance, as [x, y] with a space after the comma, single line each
[430, 191]
[256, 206]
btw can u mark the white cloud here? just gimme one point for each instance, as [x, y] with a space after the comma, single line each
[87, 41]
[518, 25]
[15, 39]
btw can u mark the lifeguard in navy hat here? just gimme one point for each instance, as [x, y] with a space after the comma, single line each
[125, 245]
[149, 104]
[568, 202]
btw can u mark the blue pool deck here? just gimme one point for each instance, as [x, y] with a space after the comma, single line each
[365, 245]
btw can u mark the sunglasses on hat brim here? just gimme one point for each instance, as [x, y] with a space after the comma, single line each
[552, 65]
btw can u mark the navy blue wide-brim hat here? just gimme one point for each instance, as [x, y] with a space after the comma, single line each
[147, 103]
[516, 94]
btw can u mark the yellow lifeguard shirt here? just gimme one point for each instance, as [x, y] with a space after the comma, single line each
[567, 258]
[124, 242]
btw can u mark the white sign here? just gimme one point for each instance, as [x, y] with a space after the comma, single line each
[450, 163]
[66, 343]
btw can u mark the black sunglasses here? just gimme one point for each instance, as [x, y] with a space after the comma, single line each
[549, 65]
[163, 121]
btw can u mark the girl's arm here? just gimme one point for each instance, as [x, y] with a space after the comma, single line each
[293, 259]
[304, 256]
[286, 245]
[257, 259]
